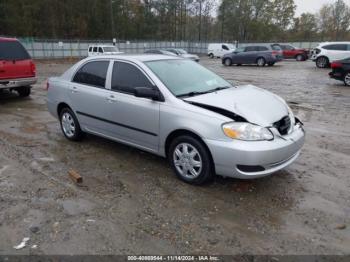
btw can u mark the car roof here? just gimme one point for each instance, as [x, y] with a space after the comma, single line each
[334, 43]
[7, 39]
[136, 57]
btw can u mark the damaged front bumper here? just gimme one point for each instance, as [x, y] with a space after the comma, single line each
[249, 160]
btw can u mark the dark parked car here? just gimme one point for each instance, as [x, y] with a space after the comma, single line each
[159, 52]
[291, 52]
[341, 71]
[256, 54]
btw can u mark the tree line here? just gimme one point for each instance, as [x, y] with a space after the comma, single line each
[173, 20]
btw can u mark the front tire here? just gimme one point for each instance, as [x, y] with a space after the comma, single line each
[24, 91]
[271, 64]
[70, 125]
[261, 61]
[347, 79]
[211, 56]
[190, 160]
[322, 62]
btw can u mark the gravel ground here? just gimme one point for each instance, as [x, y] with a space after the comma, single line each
[131, 203]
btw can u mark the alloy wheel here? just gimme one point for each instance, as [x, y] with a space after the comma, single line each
[68, 125]
[261, 62]
[347, 79]
[300, 58]
[187, 160]
[322, 62]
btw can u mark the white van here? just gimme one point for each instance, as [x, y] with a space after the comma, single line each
[103, 50]
[219, 50]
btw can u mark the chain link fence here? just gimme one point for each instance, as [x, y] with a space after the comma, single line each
[57, 48]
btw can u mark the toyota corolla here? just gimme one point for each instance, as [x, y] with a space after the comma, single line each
[178, 109]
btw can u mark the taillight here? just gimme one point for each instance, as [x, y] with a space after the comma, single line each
[336, 65]
[32, 68]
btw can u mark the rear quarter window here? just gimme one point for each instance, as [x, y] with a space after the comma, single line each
[263, 48]
[337, 47]
[13, 50]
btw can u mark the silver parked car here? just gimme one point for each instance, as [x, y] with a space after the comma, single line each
[178, 109]
[183, 53]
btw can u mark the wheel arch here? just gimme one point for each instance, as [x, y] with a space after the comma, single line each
[61, 106]
[181, 132]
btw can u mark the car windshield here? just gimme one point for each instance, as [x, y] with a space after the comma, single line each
[276, 48]
[182, 51]
[239, 50]
[187, 78]
[110, 49]
[164, 52]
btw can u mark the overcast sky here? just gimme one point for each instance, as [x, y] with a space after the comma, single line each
[312, 5]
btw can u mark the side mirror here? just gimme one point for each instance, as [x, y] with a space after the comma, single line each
[146, 92]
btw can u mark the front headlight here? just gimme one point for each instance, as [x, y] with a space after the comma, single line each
[246, 132]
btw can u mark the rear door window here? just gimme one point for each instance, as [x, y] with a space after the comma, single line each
[13, 50]
[95, 49]
[92, 74]
[127, 77]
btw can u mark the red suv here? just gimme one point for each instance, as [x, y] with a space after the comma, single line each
[299, 54]
[17, 70]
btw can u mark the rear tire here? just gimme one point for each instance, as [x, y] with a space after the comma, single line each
[69, 125]
[190, 160]
[347, 79]
[261, 61]
[271, 64]
[24, 91]
[211, 56]
[300, 58]
[322, 62]
[227, 62]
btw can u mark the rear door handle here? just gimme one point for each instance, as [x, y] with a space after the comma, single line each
[74, 90]
[111, 99]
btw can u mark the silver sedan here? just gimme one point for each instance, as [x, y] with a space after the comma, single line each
[178, 109]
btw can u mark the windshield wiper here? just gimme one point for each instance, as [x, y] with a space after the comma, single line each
[195, 93]
[219, 88]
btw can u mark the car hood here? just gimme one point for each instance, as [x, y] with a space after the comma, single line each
[254, 104]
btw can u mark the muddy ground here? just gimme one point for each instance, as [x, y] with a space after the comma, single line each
[131, 203]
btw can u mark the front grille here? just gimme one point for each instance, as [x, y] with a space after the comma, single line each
[283, 126]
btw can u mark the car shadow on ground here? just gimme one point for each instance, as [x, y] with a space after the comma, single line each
[7, 97]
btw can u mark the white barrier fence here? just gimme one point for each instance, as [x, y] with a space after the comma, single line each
[50, 49]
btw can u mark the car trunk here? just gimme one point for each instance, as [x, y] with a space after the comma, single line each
[15, 61]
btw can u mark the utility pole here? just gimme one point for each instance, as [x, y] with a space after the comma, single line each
[112, 20]
[200, 21]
